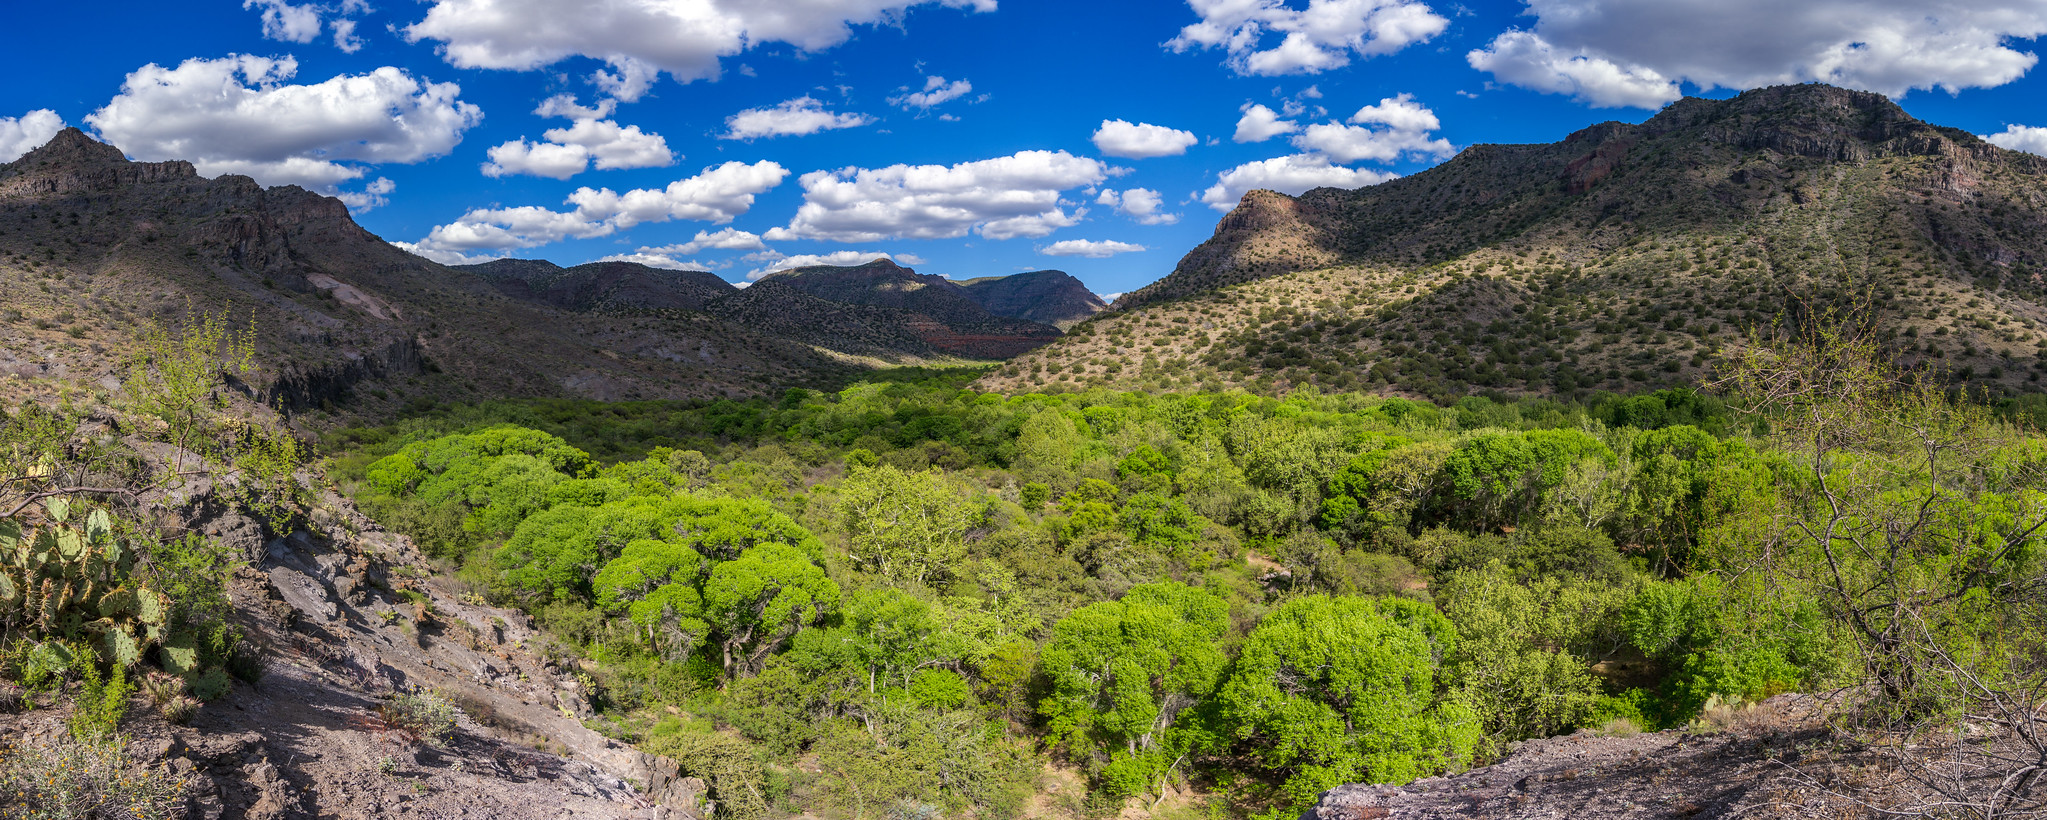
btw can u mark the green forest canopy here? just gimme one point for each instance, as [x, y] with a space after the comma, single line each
[928, 589]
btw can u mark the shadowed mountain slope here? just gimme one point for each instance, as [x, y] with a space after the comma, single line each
[1046, 296]
[931, 308]
[602, 286]
[94, 248]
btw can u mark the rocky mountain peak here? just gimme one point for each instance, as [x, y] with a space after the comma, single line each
[74, 161]
[71, 147]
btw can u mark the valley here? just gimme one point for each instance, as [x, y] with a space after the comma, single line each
[1687, 468]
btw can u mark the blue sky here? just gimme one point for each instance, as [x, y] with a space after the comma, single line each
[963, 137]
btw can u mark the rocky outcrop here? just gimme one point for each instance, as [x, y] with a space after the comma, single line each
[1742, 768]
[72, 162]
[1267, 234]
[304, 386]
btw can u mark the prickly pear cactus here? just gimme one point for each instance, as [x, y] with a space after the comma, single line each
[71, 579]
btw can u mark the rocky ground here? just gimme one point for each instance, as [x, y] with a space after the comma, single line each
[350, 615]
[1777, 759]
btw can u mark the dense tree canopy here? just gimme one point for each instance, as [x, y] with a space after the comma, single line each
[920, 591]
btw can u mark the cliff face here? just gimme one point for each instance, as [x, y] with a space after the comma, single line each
[1618, 258]
[94, 249]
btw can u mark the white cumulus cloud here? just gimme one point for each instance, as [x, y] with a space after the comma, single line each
[1390, 129]
[716, 195]
[239, 115]
[1121, 138]
[284, 21]
[1634, 53]
[1260, 124]
[303, 22]
[1142, 205]
[569, 151]
[728, 239]
[638, 39]
[1292, 175]
[20, 135]
[657, 260]
[2028, 138]
[936, 91]
[1089, 248]
[1000, 198]
[1523, 58]
[444, 257]
[1395, 126]
[1321, 37]
[374, 195]
[793, 118]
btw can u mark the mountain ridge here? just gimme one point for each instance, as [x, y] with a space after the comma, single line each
[877, 311]
[339, 313]
[1619, 258]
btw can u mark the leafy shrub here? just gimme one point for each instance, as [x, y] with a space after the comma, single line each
[212, 685]
[1123, 672]
[425, 716]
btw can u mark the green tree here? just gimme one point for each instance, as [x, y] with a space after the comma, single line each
[760, 599]
[656, 584]
[1340, 690]
[555, 554]
[1123, 672]
[907, 527]
[1524, 650]
[1915, 520]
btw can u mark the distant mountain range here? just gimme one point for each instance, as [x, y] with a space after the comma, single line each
[878, 310]
[1621, 258]
[94, 249]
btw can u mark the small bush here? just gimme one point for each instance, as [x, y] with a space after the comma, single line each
[426, 716]
[65, 778]
[247, 663]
